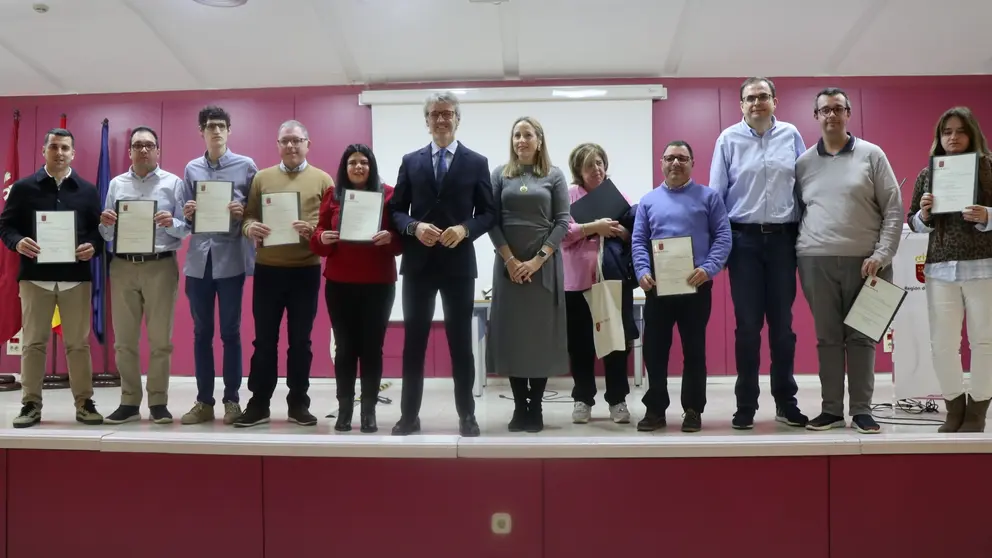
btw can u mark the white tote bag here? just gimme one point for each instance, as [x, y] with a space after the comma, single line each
[604, 304]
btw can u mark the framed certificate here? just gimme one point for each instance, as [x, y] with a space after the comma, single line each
[361, 215]
[673, 264]
[55, 233]
[212, 198]
[953, 182]
[279, 211]
[875, 307]
[134, 233]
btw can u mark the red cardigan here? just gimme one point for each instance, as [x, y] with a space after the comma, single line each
[356, 263]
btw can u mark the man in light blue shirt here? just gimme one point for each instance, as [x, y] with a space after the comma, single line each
[216, 267]
[753, 171]
[145, 285]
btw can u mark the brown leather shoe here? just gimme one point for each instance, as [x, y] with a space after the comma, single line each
[955, 414]
[974, 416]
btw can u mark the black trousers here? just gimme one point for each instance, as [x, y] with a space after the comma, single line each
[582, 356]
[419, 296]
[690, 313]
[359, 315]
[294, 291]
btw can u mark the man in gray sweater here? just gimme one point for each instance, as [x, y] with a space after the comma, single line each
[850, 229]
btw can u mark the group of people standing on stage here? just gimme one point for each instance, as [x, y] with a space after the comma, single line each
[772, 207]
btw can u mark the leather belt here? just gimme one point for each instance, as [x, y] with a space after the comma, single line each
[142, 258]
[765, 228]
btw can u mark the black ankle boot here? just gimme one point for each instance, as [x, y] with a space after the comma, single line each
[535, 417]
[521, 416]
[346, 408]
[368, 415]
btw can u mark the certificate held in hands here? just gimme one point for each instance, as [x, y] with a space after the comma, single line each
[875, 307]
[55, 233]
[361, 216]
[134, 233]
[953, 182]
[279, 211]
[673, 264]
[212, 198]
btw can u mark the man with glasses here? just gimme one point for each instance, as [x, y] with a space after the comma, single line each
[850, 230]
[442, 203]
[216, 266]
[753, 171]
[145, 285]
[42, 286]
[286, 280]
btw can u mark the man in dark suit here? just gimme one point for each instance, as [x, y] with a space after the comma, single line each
[442, 203]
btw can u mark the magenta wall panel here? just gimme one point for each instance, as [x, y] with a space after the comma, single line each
[91, 504]
[420, 508]
[956, 526]
[687, 507]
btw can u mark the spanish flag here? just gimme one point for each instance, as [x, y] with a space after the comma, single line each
[57, 321]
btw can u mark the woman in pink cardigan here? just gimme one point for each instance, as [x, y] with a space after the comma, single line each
[580, 251]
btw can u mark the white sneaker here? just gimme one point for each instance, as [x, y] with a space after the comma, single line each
[619, 413]
[581, 413]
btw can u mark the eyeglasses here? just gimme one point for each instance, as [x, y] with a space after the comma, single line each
[138, 146]
[763, 98]
[827, 111]
[672, 158]
[295, 142]
[439, 114]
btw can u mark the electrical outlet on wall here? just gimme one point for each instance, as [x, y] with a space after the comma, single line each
[14, 347]
[501, 523]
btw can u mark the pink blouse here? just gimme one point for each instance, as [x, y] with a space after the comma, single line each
[579, 253]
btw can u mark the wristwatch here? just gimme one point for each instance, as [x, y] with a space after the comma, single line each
[542, 253]
[411, 229]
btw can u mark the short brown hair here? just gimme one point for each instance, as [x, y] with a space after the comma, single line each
[582, 156]
[542, 161]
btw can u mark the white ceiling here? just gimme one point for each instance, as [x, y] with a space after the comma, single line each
[91, 46]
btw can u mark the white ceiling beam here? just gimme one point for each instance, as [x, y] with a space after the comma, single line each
[508, 27]
[34, 65]
[335, 36]
[201, 80]
[518, 94]
[676, 47]
[870, 10]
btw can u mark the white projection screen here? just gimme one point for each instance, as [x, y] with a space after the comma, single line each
[622, 127]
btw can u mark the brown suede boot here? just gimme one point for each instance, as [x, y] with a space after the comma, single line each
[955, 414]
[974, 416]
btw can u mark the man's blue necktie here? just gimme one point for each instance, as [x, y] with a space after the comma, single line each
[442, 165]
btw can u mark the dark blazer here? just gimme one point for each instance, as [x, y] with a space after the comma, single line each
[38, 192]
[464, 198]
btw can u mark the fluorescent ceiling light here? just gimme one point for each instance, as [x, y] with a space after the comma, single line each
[222, 3]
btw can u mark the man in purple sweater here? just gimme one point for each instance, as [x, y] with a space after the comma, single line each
[679, 208]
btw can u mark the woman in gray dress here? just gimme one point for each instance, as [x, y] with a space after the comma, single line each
[527, 333]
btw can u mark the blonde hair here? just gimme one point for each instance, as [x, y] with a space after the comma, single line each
[542, 161]
[583, 156]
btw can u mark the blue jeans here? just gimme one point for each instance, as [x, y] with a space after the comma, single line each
[201, 294]
[762, 270]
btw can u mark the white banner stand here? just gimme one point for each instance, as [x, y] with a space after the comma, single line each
[913, 376]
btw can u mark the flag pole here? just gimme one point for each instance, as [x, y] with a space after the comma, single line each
[105, 266]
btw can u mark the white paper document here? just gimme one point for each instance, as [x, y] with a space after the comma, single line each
[135, 230]
[953, 181]
[361, 216]
[673, 264]
[212, 199]
[875, 307]
[279, 211]
[55, 233]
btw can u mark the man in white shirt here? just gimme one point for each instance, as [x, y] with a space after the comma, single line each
[145, 285]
